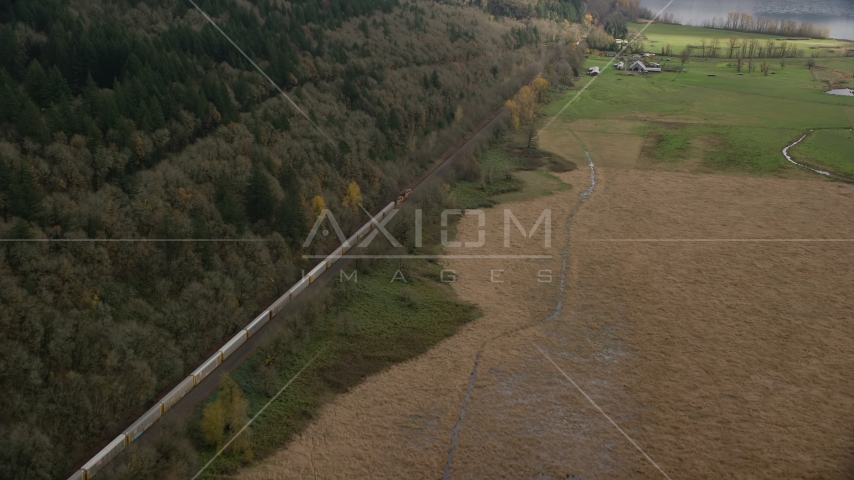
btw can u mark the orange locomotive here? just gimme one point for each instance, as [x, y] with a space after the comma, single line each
[403, 196]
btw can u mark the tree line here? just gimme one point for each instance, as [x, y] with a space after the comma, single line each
[744, 22]
[735, 47]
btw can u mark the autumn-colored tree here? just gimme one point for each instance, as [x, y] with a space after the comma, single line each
[224, 417]
[526, 100]
[317, 205]
[513, 107]
[213, 423]
[353, 197]
[541, 87]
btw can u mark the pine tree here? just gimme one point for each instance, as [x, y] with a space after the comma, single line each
[229, 206]
[56, 120]
[200, 231]
[26, 197]
[94, 138]
[241, 90]
[259, 195]
[36, 83]
[143, 117]
[10, 108]
[435, 80]
[57, 51]
[10, 59]
[57, 88]
[156, 114]
[31, 124]
[5, 189]
[291, 217]
[91, 97]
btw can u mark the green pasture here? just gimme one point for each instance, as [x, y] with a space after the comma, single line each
[729, 121]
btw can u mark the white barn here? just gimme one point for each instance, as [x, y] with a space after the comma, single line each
[640, 67]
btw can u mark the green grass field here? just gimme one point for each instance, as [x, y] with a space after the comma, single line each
[730, 122]
[830, 148]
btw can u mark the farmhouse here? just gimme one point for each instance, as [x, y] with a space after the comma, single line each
[640, 67]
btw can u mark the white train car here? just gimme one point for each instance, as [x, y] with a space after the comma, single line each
[177, 393]
[106, 454]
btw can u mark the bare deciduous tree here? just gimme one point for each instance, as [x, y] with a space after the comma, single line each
[733, 44]
[531, 133]
[713, 47]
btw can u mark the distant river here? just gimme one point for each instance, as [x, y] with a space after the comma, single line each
[838, 15]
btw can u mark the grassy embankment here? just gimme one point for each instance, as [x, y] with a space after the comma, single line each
[726, 122]
[509, 171]
[360, 328]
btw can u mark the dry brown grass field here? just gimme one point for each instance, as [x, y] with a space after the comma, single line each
[719, 358]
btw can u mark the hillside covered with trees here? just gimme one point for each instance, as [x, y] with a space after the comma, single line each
[155, 188]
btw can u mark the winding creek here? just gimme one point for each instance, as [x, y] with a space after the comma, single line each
[786, 154]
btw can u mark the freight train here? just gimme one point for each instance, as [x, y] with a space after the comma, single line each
[137, 428]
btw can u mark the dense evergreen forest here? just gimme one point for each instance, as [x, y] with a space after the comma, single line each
[123, 122]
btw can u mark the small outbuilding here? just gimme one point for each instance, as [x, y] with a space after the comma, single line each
[593, 71]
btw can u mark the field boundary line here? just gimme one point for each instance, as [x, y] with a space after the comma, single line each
[592, 402]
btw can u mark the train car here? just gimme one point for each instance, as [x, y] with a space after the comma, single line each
[109, 452]
[142, 423]
[177, 393]
[316, 271]
[78, 475]
[206, 368]
[259, 322]
[232, 345]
